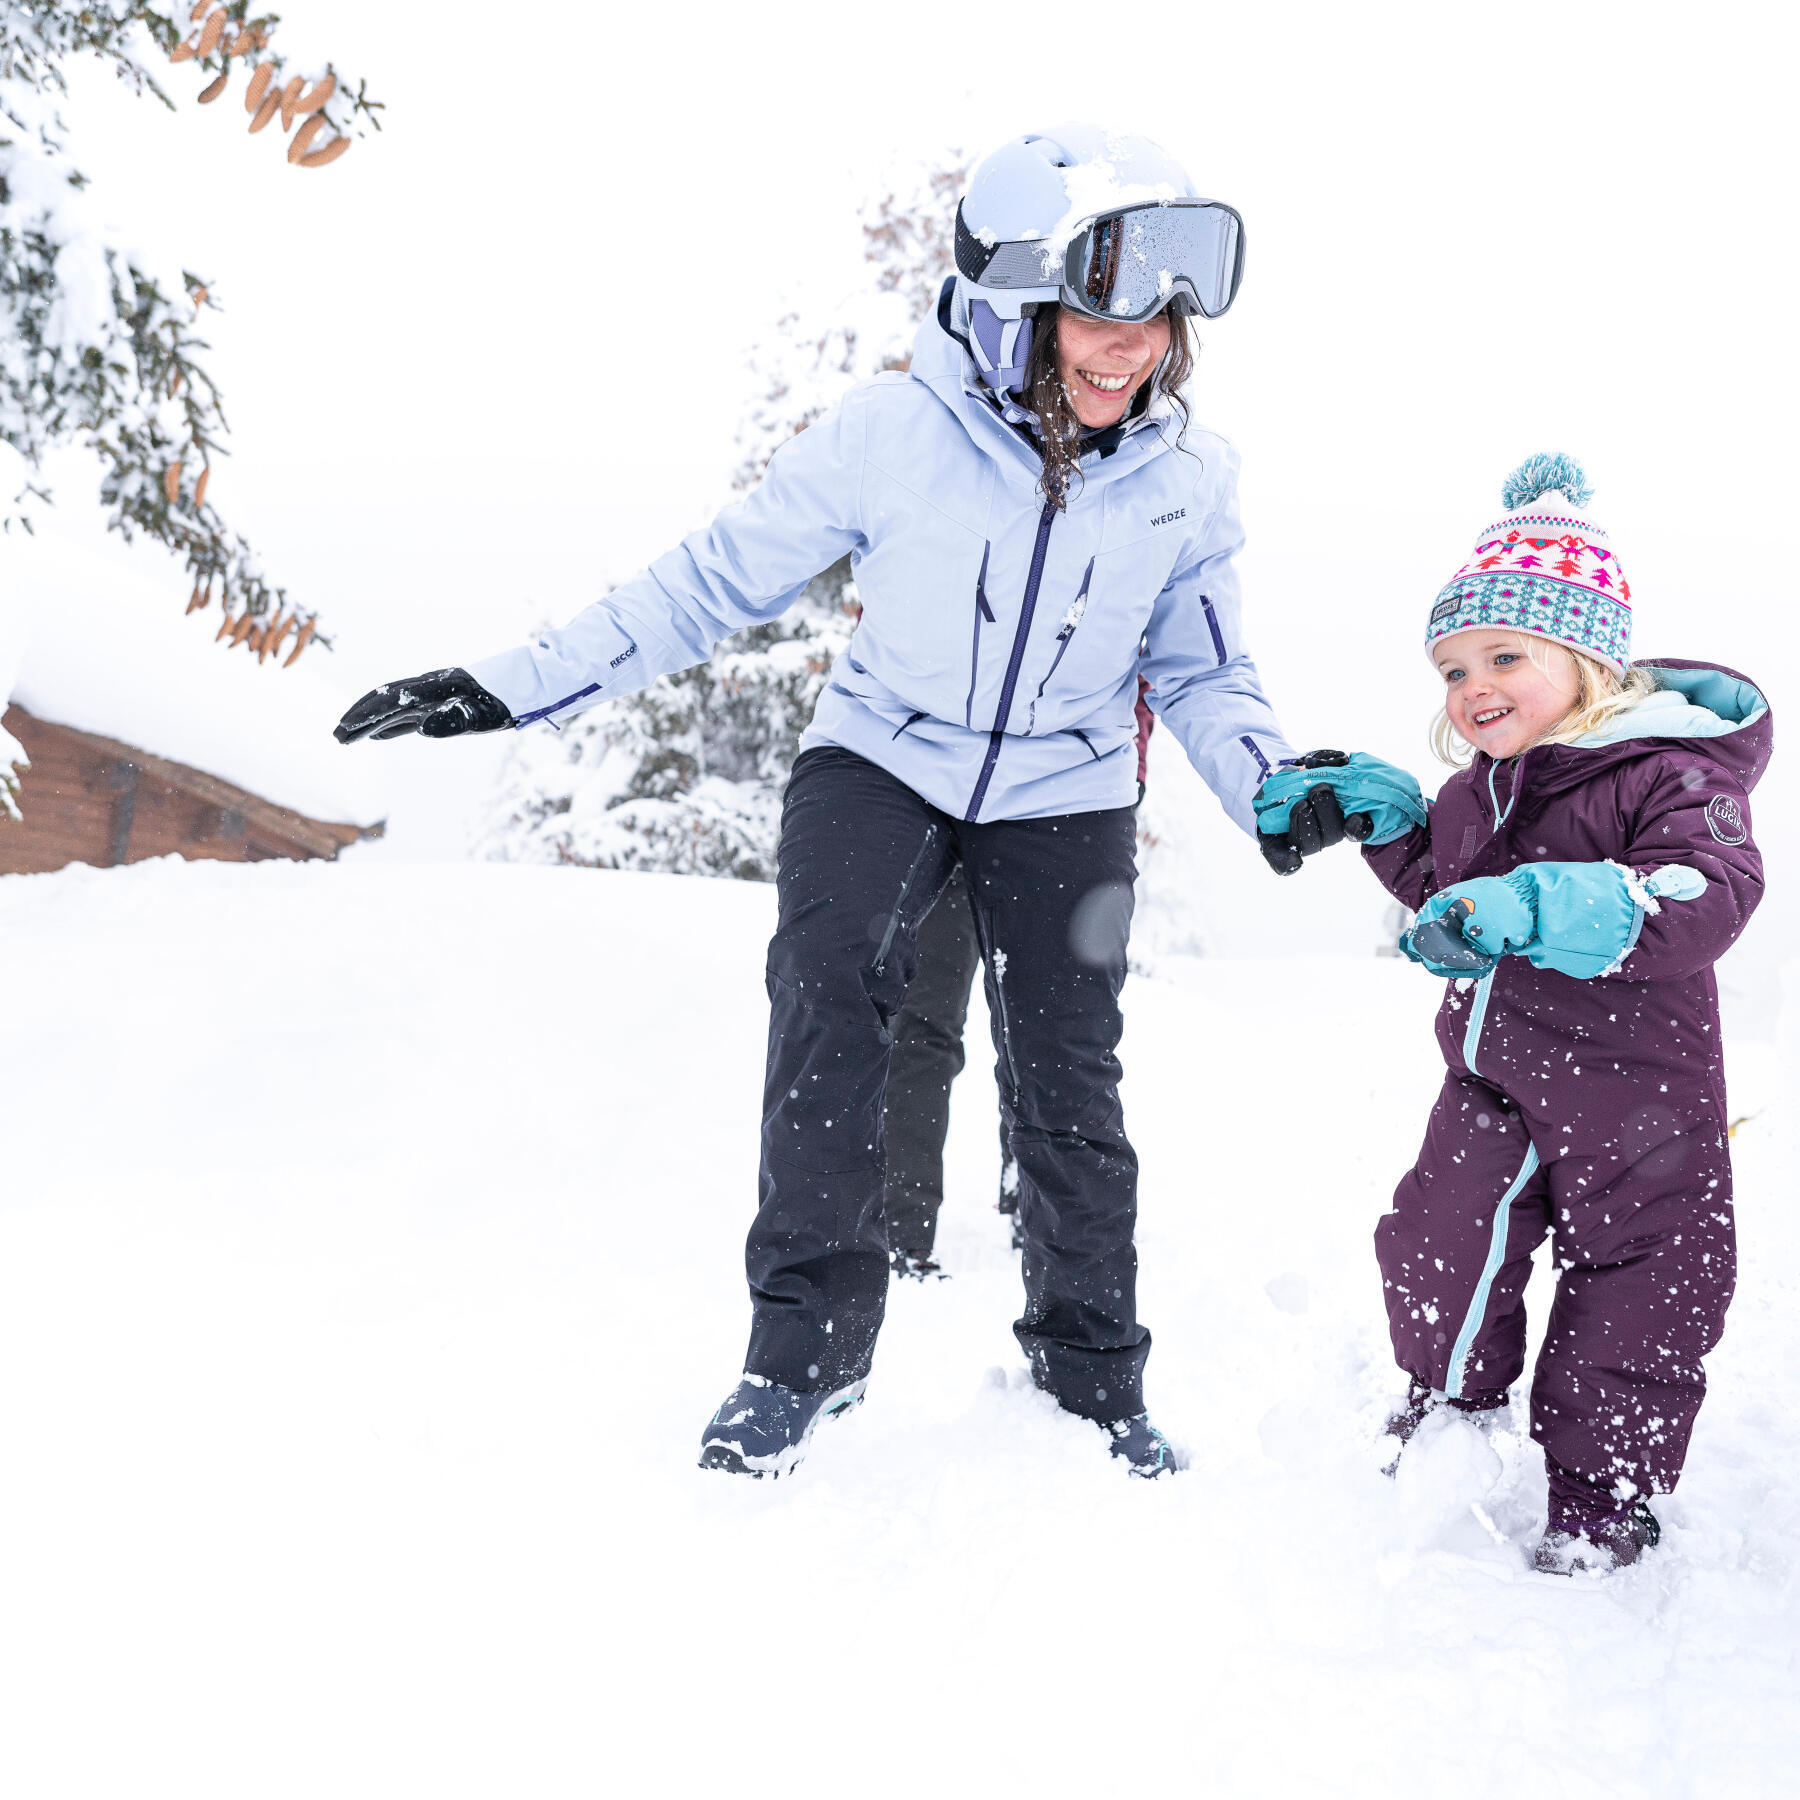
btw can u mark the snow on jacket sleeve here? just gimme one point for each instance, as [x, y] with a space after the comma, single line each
[1691, 823]
[1406, 867]
[745, 568]
[1203, 685]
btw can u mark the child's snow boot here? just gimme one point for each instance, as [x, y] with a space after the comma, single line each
[1421, 1403]
[1601, 1547]
[763, 1428]
[1142, 1447]
[1589, 1532]
[1397, 1433]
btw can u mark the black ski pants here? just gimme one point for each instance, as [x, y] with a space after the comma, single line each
[862, 860]
[926, 1058]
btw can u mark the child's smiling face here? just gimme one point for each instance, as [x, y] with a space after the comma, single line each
[1498, 698]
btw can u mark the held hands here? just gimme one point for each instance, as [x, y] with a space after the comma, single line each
[1320, 799]
[445, 703]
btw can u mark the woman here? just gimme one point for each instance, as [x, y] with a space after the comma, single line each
[1030, 525]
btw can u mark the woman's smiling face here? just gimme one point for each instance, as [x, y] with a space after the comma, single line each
[1498, 698]
[1103, 364]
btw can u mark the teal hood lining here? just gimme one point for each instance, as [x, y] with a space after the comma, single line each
[1688, 703]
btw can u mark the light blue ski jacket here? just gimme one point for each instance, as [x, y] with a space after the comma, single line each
[995, 668]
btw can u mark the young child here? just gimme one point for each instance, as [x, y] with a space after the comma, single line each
[1596, 853]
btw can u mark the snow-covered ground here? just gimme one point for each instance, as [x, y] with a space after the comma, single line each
[367, 1273]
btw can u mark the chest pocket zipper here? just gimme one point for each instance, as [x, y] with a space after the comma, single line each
[1071, 620]
[982, 612]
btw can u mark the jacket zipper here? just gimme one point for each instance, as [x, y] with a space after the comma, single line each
[1071, 620]
[1478, 1005]
[1038, 551]
[1478, 1000]
[1496, 1257]
[982, 611]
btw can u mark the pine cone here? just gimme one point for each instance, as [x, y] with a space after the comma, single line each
[304, 137]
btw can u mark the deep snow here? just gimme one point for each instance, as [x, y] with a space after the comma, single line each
[365, 1281]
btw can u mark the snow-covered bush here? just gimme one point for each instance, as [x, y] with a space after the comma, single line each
[97, 339]
[687, 776]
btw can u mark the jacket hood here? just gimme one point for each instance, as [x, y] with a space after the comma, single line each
[1705, 709]
[942, 363]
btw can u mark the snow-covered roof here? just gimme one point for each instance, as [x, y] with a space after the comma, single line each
[91, 643]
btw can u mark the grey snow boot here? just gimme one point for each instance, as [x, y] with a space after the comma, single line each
[763, 1428]
[1142, 1447]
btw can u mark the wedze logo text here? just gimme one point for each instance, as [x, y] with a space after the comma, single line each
[1169, 518]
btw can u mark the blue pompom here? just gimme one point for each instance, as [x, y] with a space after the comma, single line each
[1543, 474]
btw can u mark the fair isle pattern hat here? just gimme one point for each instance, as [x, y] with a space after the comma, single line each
[1545, 567]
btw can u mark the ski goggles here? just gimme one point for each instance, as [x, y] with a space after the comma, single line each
[1127, 264]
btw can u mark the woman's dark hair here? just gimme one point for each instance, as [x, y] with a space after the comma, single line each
[1058, 428]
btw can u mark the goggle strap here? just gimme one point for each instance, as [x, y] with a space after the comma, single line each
[972, 255]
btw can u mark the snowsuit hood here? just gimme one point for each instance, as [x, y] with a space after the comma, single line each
[1712, 716]
[995, 667]
[1693, 700]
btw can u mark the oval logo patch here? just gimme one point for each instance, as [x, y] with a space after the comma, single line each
[1725, 819]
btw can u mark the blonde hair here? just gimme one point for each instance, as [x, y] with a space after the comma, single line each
[1601, 694]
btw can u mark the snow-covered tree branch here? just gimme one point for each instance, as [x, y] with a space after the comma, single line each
[98, 344]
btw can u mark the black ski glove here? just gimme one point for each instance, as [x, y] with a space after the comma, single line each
[1316, 823]
[445, 703]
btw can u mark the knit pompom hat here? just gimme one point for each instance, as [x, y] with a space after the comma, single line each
[1544, 567]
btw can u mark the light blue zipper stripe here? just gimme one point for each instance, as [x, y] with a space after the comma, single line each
[1477, 1012]
[1465, 1339]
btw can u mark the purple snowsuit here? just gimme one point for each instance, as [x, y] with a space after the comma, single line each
[1592, 1109]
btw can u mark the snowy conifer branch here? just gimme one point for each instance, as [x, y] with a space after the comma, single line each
[96, 346]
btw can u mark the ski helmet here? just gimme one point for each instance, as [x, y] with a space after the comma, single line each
[1106, 225]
